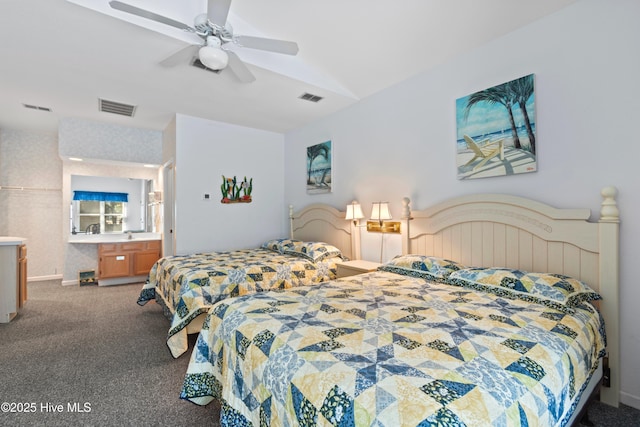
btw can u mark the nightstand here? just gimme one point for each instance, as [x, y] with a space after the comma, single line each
[358, 266]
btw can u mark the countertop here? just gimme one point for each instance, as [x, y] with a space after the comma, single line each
[9, 241]
[113, 238]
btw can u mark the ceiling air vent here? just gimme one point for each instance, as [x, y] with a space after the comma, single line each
[36, 107]
[196, 63]
[116, 108]
[310, 97]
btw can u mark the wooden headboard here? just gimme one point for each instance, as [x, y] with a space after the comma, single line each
[497, 230]
[324, 223]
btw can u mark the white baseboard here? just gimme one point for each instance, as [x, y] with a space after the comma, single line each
[110, 282]
[44, 278]
[630, 400]
[122, 280]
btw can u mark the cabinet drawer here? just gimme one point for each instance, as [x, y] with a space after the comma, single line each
[107, 247]
[132, 246]
[129, 246]
[153, 244]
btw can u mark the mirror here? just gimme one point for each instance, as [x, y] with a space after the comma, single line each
[99, 210]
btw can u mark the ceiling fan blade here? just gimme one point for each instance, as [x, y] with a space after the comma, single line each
[272, 45]
[118, 5]
[239, 68]
[217, 11]
[183, 56]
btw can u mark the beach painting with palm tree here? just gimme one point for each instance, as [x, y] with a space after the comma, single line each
[496, 130]
[319, 168]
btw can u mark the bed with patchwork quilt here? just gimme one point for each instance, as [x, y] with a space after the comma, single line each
[420, 342]
[186, 286]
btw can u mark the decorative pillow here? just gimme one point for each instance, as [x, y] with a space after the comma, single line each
[553, 290]
[279, 245]
[427, 267]
[315, 251]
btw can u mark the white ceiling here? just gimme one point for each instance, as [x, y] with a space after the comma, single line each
[64, 56]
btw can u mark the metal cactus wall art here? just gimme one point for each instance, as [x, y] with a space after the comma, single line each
[234, 191]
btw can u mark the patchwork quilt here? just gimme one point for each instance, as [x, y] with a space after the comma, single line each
[383, 349]
[188, 286]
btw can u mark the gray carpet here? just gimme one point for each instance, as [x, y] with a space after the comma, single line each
[95, 345]
[92, 345]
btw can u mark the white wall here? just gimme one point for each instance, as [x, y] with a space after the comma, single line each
[40, 213]
[401, 141]
[102, 141]
[114, 151]
[29, 159]
[84, 256]
[166, 184]
[206, 150]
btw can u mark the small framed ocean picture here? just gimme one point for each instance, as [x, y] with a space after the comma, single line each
[319, 167]
[496, 130]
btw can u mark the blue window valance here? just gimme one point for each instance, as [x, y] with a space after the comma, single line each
[100, 196]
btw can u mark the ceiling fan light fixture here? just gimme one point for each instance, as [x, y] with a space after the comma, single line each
[200, 20]
[214, 28]
[212, 55]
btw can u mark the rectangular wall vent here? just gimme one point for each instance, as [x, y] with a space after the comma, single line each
[116, 108]
[36, 107]
[310, 97]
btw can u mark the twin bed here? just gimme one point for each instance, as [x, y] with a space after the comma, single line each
[187, 286]
[455, 331]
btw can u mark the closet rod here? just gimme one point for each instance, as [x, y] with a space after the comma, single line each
[13, 187]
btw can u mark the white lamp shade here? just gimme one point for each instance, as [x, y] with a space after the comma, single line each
[354, 211]
[212, 56]
[380, 211]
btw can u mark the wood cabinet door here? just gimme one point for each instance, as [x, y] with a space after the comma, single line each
[115, 265]
[22, 281]
[143, 261]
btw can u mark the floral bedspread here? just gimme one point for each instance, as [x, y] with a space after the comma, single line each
[188, 285]
[382, 349]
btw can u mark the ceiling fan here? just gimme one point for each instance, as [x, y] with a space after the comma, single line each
[217, 37]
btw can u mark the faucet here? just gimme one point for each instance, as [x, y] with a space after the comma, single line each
[129, 235]
[92, 229]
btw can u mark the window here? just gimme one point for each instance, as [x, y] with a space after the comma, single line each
[99, 212]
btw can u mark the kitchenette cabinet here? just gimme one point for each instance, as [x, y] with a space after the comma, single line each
[126, 262]
[13, 276]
